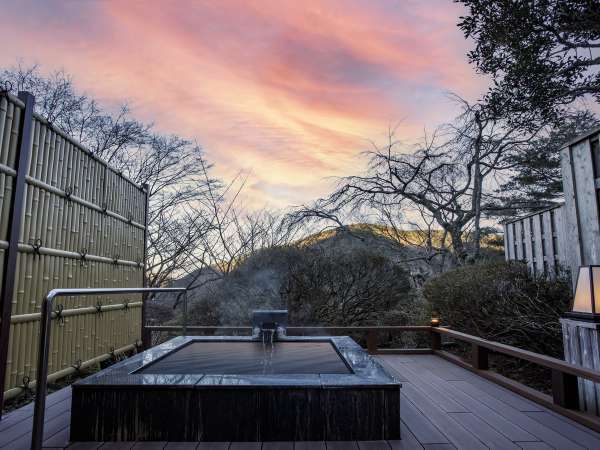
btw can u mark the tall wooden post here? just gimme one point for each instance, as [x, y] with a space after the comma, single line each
[372, 341]
[580, 342]
[581, 187]
[14, 225]
[145, 333]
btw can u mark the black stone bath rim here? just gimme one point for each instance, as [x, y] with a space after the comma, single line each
[364, 370]
[124, 403]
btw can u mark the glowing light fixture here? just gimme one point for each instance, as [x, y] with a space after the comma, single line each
[586, 304]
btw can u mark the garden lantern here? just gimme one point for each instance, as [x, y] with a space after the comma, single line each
[586, 304]
[581, 332]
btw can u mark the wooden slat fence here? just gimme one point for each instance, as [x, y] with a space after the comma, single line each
[538, 239]
[580, 161]
[81, 225]
[569, 234]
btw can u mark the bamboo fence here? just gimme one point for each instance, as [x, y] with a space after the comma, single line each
[82, 225]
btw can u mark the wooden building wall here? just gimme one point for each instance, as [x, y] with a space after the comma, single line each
[580, 161]
[81, 226]
[568, 234]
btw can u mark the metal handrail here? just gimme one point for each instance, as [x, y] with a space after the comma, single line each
[39, 410]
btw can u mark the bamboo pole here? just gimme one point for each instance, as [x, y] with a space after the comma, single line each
[76, 311]
[29, 249]
[12, 393]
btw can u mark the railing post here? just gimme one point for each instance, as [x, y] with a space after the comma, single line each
[146, 335]
[436, 341]
[372, 341]
[479, 355]
[436, 338]
[185, 313]
[39, 407]
[565, 389]
[15, 216]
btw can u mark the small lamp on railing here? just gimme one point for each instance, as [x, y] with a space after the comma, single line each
[435, 321]
[586, 303]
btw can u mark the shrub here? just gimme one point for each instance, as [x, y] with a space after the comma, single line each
[501, 301]
[354, 287]
[319, 286]
[254, 283]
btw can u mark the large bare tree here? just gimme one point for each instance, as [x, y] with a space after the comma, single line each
[441, 183]
[173, 168]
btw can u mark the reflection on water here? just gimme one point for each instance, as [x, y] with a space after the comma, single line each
[268, 350]
[245, 358]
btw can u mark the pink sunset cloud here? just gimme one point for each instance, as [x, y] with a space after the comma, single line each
[289, 91]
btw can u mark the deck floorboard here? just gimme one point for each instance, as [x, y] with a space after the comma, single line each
[309, 445]
[213, 446]
[278, 446]
[509, 429]
[408, 441]
[443, 407]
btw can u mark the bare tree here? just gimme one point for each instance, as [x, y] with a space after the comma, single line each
[234, 233]
[487, 144]
[419, 231]
[81, 117]
[356, 287]
[442, 181]
[173, 168]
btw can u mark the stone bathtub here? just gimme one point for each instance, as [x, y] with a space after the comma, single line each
[238, 389]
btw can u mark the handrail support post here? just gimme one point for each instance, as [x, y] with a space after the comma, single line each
[565, 389]
[372, 341]
[480, 357]
[39, 408]
[185, 312]
[436, 340]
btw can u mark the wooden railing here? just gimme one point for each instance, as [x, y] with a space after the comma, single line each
[371, 333]
[564, 381]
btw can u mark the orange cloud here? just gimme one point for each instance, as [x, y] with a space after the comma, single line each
[287, 90]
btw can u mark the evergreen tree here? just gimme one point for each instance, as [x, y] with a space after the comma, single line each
[535, 179]
[543, 55]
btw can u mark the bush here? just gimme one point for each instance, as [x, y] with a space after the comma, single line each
[255, 283]
[501, 301]
[347, 288]
[319, 286]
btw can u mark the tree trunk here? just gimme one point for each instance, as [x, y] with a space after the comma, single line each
[458, 246]
[477, 188]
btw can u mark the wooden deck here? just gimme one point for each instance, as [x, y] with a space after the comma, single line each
[443, 407]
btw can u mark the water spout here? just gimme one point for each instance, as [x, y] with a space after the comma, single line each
[269, 325]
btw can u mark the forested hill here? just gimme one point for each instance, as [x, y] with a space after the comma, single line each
[349, 275]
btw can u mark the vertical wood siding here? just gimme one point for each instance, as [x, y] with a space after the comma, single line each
[581, 346]
[568, 235]
[535, 239]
